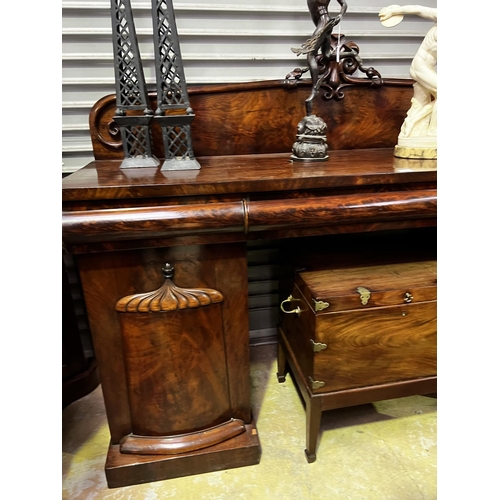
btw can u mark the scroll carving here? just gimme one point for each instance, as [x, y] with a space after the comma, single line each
[336, 75]
[168, 297]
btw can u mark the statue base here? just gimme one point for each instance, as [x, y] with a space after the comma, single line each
[423, 147]
[423, 153]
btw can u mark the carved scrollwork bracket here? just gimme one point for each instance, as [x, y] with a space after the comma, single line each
[336, 75]
[114, 131]
[168, 297]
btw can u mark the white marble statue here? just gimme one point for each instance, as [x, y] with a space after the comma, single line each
[418, 135]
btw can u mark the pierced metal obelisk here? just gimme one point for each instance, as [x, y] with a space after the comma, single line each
[131, 92]
[171, 91]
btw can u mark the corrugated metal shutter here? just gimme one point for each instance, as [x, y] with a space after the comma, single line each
[263, 276]
[220, 42]
[76, 298]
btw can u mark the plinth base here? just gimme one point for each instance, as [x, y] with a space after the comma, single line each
[296, 158]
[180, 164]
[127, 469]
[423, 153]
[140, 162]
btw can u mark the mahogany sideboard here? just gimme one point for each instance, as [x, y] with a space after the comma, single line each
[172, 345]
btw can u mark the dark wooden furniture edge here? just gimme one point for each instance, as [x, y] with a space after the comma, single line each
[80, 385]
[259, 85]
[229, 175]
[245, 216]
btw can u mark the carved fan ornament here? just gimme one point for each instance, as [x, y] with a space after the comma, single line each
[168, 297]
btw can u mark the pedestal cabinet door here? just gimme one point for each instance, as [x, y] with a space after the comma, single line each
[176, 371]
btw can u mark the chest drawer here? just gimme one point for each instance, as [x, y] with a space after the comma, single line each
[363, 326]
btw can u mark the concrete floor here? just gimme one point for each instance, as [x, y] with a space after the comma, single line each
[381, 451]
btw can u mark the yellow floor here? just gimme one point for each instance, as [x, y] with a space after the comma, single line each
[385, 450]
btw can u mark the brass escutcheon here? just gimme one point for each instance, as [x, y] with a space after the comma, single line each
[317, 346]
[364, 294]
[319, 305]
[316, 384]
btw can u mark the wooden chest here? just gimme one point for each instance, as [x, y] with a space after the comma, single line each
[353, 335]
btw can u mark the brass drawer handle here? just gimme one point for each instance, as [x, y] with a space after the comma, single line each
[408, 297]
[297, 310]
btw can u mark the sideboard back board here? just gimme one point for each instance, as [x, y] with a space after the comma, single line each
[262, 118]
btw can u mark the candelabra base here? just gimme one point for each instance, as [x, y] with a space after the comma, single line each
[180, 164]
[140, 162]
[311, 140]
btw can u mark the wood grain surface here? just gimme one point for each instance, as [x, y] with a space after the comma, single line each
[376, 346]
[182, 443]
[176, 370]
[388, 285]
[233, 217]
[104, 180]
[116, 274]
[262, 118]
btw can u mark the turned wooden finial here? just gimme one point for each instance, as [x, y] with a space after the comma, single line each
[168, 271]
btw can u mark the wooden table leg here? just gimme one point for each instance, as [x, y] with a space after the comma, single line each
[313, 422]
[282, 364]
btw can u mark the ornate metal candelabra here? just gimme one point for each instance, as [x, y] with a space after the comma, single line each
[331, 61]
[171, 91]
[131, 92]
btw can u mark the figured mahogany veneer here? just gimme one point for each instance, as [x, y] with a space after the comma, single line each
[124, 225]
[243, 217]
[345, 349]
[262, 118]
[104, 180]
[367, 188]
